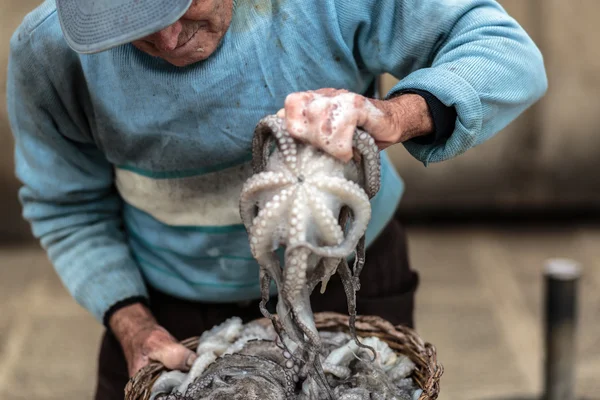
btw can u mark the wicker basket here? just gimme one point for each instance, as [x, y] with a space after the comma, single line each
[401, 339]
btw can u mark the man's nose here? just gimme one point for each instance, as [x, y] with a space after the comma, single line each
[166, 39]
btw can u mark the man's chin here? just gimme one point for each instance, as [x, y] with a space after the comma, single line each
[189, 57]
[185, 61]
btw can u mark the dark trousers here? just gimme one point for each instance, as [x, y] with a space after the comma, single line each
[388, 287]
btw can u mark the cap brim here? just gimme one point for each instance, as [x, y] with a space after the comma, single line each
[90, 28]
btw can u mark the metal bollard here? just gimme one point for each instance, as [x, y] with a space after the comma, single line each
[561, 279]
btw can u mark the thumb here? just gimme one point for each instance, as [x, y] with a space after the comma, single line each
[175, 356]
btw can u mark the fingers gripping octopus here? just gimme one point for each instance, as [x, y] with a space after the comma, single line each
[318, 208]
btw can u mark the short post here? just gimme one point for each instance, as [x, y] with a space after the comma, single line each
[561, 279]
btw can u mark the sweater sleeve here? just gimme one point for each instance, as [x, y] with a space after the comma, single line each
[469, 54]
[67, 191]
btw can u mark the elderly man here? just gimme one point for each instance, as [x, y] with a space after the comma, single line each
[133, 122]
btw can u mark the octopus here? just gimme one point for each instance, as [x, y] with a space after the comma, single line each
[256, 365]
[238, 355]
[318, 208]
[353, 376]
[239, 376]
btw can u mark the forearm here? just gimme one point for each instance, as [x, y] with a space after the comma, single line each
[487, 69]
[87, 248]
[472, 56]
[417, 116]
[68, 193]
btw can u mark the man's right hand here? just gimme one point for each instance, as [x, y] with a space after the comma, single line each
[143, 340]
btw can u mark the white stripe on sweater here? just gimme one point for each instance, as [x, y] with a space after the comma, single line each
[203, 200]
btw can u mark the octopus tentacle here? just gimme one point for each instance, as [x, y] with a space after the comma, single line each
[289, 325]
[357, 200]
[261, 146]
[261, 142]
[330, 267]
[319, 378]
[266, 222]
[369, 151]
[322, 378]
[269, 265]
[350, 290]
[338, 371]
[297, 231]
[310, 390]
[296, 265]
[270, 269]
[345, 216]
[284, 309]
[199, 366]
[317, 275]
[252, 190]
[166, 383]
[306, 160]
[238, 367]
[269, 350]
[265, 286]
[305, 321]
[297, 296]
[296, 354]
[296, 261]
[273, 125]
[359, 261]
[303, 318]
[326, 222]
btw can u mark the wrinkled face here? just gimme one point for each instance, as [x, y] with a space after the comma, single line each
[194, 37]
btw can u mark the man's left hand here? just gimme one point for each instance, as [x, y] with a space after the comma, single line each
[328, 118]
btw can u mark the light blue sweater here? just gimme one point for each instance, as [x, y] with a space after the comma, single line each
[131, 168]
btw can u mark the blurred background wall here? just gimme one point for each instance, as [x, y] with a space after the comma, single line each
[12, 227]
[547, 159]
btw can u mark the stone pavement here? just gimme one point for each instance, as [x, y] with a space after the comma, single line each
[479, 303]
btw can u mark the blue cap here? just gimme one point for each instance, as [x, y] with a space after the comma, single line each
[91, 26]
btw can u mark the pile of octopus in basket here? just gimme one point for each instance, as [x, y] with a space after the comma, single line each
[318, 208]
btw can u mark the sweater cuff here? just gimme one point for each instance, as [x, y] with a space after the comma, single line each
[116, 280]
[453, 91]
[444, 118]
[122, 304]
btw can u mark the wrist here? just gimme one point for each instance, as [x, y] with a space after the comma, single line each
[122, 304]
[410, 117]
[126, 322]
